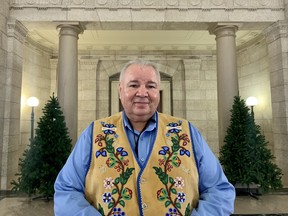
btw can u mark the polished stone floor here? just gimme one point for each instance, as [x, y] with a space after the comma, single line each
[244, 205]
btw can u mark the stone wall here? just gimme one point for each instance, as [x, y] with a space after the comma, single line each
[254, 80]
[36, 80]
[86, 93]
[4, 11]
[201, 97]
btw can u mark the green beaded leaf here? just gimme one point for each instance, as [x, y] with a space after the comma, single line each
[174, 191]
[175, 147]
[110, 205]
[114, 191]
[125, 176]
[100, 210]
[110, 149]
[161, 175]
[109, 141]
[167, 203]
[175, 140]
[122, 203]
[187, 211]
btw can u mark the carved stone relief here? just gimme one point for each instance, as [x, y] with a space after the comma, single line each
[148, 2]
[141, 4]
[172, 2]
[124, 2]
[217, 2]
[264, 2]
[78, 2]
[102, 2]
[55, 2]
[195, 2]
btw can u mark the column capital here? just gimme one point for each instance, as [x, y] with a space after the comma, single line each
[224, 29]
[70, 28]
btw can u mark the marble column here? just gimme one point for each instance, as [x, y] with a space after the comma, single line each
[67, 75]
[227, 77]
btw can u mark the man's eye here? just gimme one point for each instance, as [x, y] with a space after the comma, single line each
[151, 86]
[133, 86]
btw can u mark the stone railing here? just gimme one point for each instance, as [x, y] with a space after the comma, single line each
[152, 4]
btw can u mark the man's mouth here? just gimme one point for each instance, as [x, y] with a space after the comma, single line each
[142, 102]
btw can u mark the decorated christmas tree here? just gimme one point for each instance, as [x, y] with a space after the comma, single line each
[245, 156]
[46, 154]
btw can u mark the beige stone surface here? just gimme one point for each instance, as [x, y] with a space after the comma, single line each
[266, 204]
[25, 207]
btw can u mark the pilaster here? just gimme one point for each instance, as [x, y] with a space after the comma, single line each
[277, 41]
[11, 124]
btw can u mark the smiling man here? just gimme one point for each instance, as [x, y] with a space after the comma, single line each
[139, 92]
[141, 162]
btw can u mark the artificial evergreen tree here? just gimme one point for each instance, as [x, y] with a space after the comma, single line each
[245, 156]
[46, 154]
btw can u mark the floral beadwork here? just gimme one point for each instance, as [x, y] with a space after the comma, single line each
[171, 158]
[116, 160]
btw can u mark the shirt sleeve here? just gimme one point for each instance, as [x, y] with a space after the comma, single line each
[69, 199]
[216, 194]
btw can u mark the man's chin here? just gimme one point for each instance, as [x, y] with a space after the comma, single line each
[142, 113]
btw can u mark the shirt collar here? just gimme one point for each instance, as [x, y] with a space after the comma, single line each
[151, 124]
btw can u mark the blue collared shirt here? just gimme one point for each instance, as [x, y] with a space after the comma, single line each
[216, 194]
[143, 140]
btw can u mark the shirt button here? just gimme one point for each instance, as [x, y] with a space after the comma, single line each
[142, 160]
[144, 206]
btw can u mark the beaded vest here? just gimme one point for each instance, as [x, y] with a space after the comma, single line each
[167, 185]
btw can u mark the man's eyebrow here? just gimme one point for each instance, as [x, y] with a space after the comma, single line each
[133, 81]
[149, 82]
[152, 82]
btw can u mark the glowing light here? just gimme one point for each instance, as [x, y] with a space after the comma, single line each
[33, 102]
[251, 101]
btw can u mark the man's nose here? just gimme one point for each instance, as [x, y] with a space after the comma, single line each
[142, 91]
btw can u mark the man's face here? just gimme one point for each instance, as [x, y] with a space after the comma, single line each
[139, 92]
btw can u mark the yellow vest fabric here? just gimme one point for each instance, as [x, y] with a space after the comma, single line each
[168, 184]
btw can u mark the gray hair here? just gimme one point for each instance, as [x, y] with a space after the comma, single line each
[140, 62]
